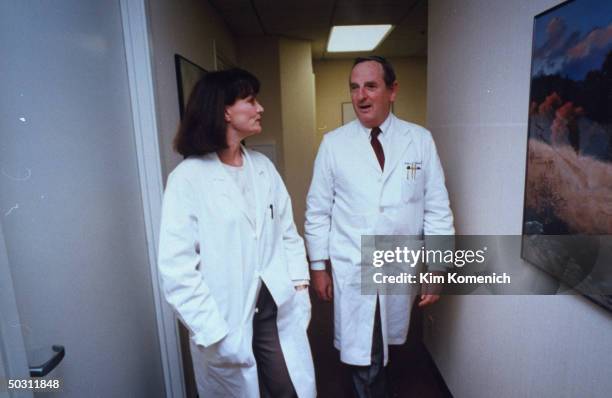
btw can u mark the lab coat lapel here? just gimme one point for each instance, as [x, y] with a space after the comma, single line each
[261, 188]
[399, 141]
[228, 190]
[363, 148]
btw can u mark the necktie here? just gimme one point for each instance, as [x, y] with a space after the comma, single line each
[378, 149]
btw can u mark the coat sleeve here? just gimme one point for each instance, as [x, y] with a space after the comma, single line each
[438, 217]
[293, 243]
[178, 261]
[319, 205]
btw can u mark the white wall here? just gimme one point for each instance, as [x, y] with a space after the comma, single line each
[190, 28]
[478, 89]
[298, 104]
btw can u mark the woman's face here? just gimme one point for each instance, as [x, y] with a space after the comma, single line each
[244, 116]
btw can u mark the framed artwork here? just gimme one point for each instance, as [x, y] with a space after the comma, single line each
[567, 213]
[187, 75]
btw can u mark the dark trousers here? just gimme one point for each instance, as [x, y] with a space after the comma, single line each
[370, 381]
[274, 381]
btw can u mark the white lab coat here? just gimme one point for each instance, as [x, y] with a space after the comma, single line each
[349, 196]
[212, 259]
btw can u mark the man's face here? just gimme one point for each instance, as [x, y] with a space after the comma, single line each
[371, 97]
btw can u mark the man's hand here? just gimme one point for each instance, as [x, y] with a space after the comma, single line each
[430, 292]
[322, 284]
[428, 299]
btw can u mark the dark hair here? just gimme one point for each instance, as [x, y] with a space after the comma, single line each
[203, 128]
[388, 71]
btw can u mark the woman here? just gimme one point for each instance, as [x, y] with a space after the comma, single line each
[231, 261]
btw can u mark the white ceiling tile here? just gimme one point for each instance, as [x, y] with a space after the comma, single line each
[312, 20]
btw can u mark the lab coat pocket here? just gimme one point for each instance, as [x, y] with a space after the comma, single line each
[412, 187]
[232, 350]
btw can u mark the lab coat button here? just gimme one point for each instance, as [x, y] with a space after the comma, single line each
[381, 209]
[256, 310]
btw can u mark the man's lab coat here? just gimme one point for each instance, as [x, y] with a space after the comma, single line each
[349, 197]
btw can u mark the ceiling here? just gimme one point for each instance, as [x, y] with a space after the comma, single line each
[312, 20]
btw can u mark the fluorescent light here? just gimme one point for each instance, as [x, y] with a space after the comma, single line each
[356, 37]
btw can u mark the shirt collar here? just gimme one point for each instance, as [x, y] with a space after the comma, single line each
[384, 127]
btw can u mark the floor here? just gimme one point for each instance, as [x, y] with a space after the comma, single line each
[411, 371]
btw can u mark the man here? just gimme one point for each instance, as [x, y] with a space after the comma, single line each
[375, 175]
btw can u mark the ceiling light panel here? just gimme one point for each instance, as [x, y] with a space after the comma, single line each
[352, 38]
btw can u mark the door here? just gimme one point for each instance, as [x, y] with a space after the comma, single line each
[13, 358]
[70, 202]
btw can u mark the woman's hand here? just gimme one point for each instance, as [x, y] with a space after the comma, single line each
[231, 350]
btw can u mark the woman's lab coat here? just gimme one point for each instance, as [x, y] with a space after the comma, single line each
[213, 257]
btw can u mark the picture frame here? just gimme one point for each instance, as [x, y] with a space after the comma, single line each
[187, 75]
[567, 223]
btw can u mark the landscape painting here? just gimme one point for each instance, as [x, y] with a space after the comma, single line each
[567, 219]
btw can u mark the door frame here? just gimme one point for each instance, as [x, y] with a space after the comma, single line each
[142, 96]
